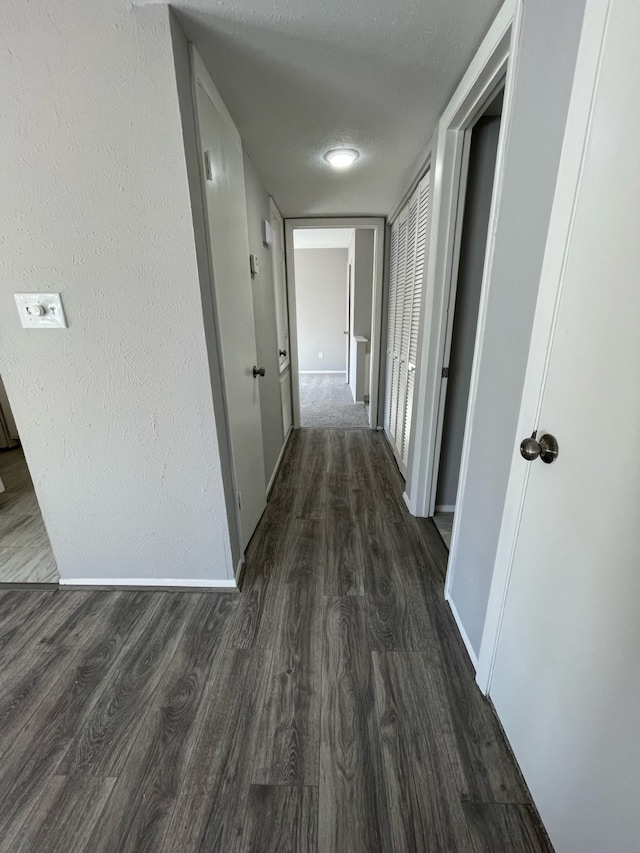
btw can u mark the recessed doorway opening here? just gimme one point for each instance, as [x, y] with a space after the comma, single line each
[334, 283]
[476, 191]
[25, 551]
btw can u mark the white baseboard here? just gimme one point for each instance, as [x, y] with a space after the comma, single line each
[163, 583]
[278, 462]
[445, 508]
[463, 633]
[405, 498]
[344, 372]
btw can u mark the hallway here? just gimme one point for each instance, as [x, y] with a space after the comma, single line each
[326, 401]
[328, 707]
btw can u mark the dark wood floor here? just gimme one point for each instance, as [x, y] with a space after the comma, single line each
[328, 707]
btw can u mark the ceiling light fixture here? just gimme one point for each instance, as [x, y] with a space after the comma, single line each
[341, 158]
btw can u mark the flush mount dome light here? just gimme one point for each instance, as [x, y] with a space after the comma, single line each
[341, 158]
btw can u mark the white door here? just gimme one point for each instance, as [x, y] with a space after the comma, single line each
[566, 679]
[280, 287]
[409, 241]
[223, 181]
[349, 323]
[282, 316]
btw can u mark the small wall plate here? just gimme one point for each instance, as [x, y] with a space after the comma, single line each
[41, 310]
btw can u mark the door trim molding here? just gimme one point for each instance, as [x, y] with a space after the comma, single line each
[378, 224]
[279, 461]
[552, 277]
[495, 59]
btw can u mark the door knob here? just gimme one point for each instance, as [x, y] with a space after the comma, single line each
[258, 371]
[283, 353]
[546, 448]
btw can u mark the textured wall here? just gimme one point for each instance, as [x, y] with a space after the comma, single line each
[116, 412]
[321, 308]
[264, 312]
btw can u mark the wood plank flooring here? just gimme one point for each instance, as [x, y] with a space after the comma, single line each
[25, 552]
[328, 707]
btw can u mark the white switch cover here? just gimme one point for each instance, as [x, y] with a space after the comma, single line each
[41, 310]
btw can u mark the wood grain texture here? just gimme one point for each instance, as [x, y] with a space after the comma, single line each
[138, 813]
[62, 818]
[288, 717]
[480, 756]
[505, 827]
[101, 746]
[12, 600]
[426, 813]
[281, 820]
[24, 623]
[34, 754]
[289, 740]
[354, 813]
[344, 560]
[209, 811]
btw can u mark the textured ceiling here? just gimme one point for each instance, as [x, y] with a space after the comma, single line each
[303, 76]
[322, 238]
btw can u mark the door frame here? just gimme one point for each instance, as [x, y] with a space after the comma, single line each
[378, 225]
[494, 63]
[279, 227]
[348, 331]
[561, 221]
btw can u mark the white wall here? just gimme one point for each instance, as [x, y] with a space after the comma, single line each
[321, 308]
[264, 311]
[116, 412]
[548, 48]
[360, 256]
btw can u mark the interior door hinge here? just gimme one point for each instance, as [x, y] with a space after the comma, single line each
[445, 372]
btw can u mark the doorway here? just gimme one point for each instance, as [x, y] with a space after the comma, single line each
[334, 270]
[481, 145]
[25, 552]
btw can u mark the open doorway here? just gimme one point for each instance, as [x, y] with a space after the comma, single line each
[332, 271]
[481, 153]
[25, 552]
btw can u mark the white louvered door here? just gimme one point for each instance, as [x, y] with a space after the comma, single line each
[403, 349]
[422, 245]
[409, 241]
[391, 319]
[398, 315]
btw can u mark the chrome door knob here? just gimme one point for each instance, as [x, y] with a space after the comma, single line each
[546, 448]
[258, 371]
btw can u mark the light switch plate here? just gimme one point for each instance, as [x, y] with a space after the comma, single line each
[41, 310]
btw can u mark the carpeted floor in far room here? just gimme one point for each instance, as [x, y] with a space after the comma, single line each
[326, 401]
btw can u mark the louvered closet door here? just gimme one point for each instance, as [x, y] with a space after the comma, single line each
[391, 319]
[405, 334]
[398, 316]
[409, 247]
[422, 249]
